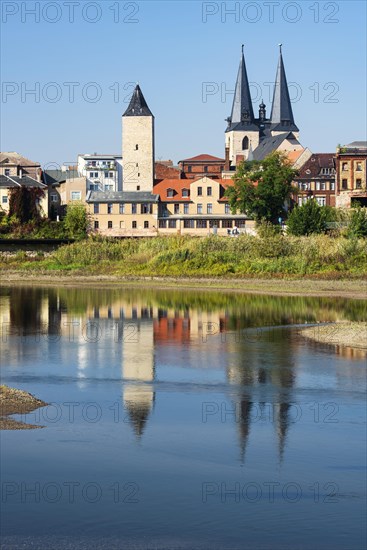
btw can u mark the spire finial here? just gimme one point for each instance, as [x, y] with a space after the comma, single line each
[280, 48]
[242, 46]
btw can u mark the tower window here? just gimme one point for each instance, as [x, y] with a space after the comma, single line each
[137, 147]
[245, 143]
[138, 187]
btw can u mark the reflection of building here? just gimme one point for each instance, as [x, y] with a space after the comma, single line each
[138, 373]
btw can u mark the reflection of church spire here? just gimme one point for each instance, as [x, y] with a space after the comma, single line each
[244, 424]
[138, 403]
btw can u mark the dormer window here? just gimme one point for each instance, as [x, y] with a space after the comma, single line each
[170, 192]
[185, 192]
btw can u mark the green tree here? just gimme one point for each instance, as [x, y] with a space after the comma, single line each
[358, 223]
[262, 189]
[76, 221]
[24, 203]
[308, 218]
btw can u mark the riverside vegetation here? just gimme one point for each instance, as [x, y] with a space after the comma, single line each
[266, 255]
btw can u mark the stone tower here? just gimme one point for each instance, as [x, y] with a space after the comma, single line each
[138, 145]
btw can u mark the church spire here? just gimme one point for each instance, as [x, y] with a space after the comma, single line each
[137, 106]
[242, 111]
[281, 113]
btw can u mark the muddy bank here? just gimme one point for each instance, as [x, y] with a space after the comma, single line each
[13, 401]
[346, 334]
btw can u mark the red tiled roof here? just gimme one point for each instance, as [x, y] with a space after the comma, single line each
[203, 158]
[177, 185]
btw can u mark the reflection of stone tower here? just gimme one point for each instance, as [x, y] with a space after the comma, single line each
[138, 371]
[138, 145]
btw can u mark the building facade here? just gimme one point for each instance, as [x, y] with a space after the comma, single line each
[351, 168]
[316, 180]
[102, 172]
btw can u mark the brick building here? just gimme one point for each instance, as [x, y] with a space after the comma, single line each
[316, 179]
[351, 168]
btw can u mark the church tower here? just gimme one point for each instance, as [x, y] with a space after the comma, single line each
[138, 145]
[281, 119]
[242, 134]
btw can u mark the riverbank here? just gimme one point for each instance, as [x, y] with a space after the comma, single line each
[14, 401]
[346, 334]
[352, 288]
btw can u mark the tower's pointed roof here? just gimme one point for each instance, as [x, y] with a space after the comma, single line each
[138, 106]
[242, 111]
[281, 113]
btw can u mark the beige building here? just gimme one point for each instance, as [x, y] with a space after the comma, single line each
[351, 168]
[14, 164]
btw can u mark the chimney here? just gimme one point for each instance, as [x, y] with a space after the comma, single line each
[226, 165]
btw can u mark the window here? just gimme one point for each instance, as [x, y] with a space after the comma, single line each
[209, 208]
[96, 208]
[189, 168]
[317, 186]
[93, 186]
[221, 168]
[189, 224]
[172, 224]
[344, 166]
[213, 223]
[146, 225]
[227, 209]
[162, 224]
[4, 199]
[344, 184]
[199, 208]
[7, 171]
[186, 209]
[205, 169]
[94, 163]
[106, 175]
[321, 201]
[305, 186]
[108, 187]
[109, 225]
[76, 195]
[53, 197]
[322, 186]
[332, 186]
[245, 143]
[201, 224]
[177, 209]
[300, 201]
[109, 208]
[138, 187]
[358, 167]
[133, 225]
[133, 209]
[146, 209]
[200, 191]
[185, 192]
[169, 192]
[209, 191]
[137, 147]
[358, 184]
[96, 224]
[121, 208]
[91, 174]
[227, 223]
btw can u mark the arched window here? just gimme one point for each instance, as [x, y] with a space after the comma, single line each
[245, 143]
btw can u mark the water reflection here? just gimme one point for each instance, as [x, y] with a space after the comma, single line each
[94, 328]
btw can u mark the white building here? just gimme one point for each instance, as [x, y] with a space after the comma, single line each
[102, 172]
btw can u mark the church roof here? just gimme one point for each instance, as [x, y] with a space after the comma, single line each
[281, 112]
[271, 143]
[242, 116]
[138, 106]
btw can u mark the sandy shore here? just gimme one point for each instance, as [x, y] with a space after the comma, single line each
[346, 334]
[348, 288]
[13, 401]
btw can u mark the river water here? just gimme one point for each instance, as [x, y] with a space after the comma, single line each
[181, 420]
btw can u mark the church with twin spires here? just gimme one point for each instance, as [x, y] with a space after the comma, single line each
[252, 138]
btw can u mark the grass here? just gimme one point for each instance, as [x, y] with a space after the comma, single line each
[177, 256]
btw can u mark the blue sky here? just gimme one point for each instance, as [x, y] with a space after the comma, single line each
[185, 57]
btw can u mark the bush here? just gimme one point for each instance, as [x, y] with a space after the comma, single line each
[76, 221]
[310, 218]
[358, 223]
